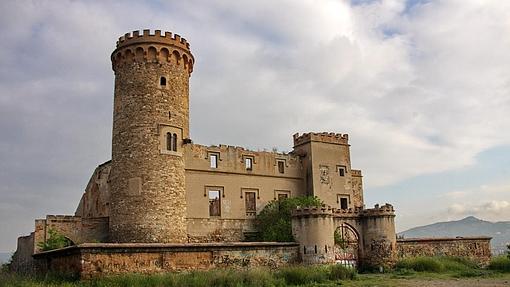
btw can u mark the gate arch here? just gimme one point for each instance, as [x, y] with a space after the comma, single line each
[347, 241]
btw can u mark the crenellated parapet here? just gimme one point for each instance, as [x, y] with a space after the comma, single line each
[325, 137]
[152, 48]
[378, 211]
[313, 211]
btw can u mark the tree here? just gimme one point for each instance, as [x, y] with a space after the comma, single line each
[273, 223]
[55, 240]
[508, 251]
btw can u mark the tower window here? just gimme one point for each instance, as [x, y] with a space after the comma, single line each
[343, 203]
[168, 141]
[174, 142]
[162, 81]
[341, 170]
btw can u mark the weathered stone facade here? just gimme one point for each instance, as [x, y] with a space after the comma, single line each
[151, 99]
[93, 260]
[477, 249]
[160, 187]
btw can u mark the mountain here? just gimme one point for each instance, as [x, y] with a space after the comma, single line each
[469, 226]
[4, 257]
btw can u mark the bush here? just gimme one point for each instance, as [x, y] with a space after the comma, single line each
[339, 272]
[500, 263]
[55, 241]
[299, 275]
[273, 223]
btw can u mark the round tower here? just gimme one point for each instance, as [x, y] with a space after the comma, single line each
[150, 124]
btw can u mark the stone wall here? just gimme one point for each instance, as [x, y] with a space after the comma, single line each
[94, 260]
[22, 261]
[475, 248]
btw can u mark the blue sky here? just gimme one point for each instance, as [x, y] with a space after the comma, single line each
[421, 87]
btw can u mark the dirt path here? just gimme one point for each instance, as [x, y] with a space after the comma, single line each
[456, 283]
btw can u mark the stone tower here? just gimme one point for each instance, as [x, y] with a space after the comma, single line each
[150, 125]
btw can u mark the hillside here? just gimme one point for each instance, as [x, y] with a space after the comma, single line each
[469, 226]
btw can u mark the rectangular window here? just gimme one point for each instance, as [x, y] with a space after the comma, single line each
[341, 170]
[281, 166]
[214, 203]
[250, 203]
[214, 160]
[282, 196]
[248, 162]
[344, 203]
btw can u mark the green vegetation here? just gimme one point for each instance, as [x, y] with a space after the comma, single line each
[55, 241]
[436, 264]
[288, 276]
[409, 272]
[273, 223]
[500, 263]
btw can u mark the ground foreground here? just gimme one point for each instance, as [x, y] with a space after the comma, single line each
[416, 272]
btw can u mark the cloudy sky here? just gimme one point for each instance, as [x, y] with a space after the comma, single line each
[421, 87]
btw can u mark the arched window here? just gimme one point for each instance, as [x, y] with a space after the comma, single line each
[174, 142]
[168, 141]
[162, 81]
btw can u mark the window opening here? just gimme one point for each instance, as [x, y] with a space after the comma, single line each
[168, 141]
[248, 162]
[214, 203]
[250, 203]
[341, 171]
[214, 160]
[281, 166]
[162, 81]
[174, 142]
[344, 203]
[282, 196]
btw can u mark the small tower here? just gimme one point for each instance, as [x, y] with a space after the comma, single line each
[150, 122]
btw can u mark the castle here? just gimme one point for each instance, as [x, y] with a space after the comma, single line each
[161, 190]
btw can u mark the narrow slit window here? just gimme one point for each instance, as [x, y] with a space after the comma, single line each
[168, 141]
[162, 81]
[174, 142]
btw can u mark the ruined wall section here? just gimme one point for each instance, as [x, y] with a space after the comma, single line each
[151, 100]
[95, 202]
[474, 248]
[266, 179]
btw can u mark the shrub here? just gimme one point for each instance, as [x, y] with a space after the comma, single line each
[273, 223]
[500, 263]
[339, 272]
[420, 264]
[300, 275]
[55, 241]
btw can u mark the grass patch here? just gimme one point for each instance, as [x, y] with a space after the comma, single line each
[437, 264]
[288, 276]
[500, 263]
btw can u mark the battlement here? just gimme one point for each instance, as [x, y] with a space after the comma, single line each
[313, 211]
[385, 210]
[168, 38]
[153, 48]
[356, 172]
[325, 137]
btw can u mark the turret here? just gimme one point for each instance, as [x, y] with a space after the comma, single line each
[150, 123]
